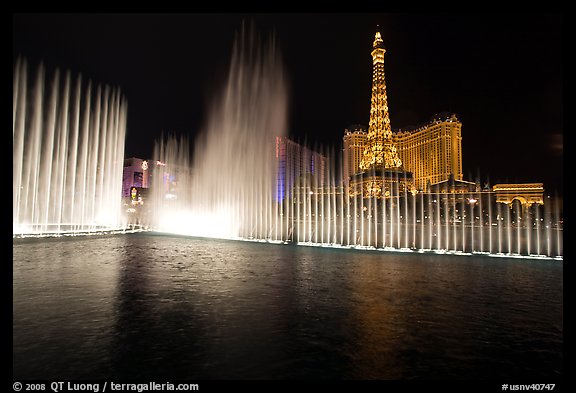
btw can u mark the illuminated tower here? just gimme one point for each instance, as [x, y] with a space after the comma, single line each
[380, 152]
[381, 173]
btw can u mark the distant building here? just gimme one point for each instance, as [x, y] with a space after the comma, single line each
[456, 191]
[297, 163]
[354, 143]
[453, 186]
[432, 152]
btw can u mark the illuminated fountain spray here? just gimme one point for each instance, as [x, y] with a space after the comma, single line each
[225, 189]
[321, 210]
[68, 151]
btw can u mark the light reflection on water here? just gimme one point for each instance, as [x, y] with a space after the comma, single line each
[144, 305]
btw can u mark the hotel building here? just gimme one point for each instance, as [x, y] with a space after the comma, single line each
[297, 165]
[432, 152]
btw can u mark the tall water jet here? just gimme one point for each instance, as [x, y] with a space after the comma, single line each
[229, 191]
[68, 155]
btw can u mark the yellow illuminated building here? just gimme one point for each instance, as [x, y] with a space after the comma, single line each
[432, 152]
[354, 144]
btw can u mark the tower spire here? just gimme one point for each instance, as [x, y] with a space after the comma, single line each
[380, 151]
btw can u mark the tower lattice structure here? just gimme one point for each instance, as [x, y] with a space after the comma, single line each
[380, 151]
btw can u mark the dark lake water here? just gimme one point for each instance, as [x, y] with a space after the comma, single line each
[149, 306]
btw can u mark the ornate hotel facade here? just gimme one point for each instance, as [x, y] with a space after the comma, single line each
[431, 152]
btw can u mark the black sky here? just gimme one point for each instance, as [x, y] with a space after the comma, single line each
[502, 74]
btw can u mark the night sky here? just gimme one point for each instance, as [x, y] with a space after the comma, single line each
[502, 74]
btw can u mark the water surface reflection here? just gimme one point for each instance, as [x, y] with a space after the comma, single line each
[143, 306]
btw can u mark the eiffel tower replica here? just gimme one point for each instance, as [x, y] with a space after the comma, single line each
[382, 173]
